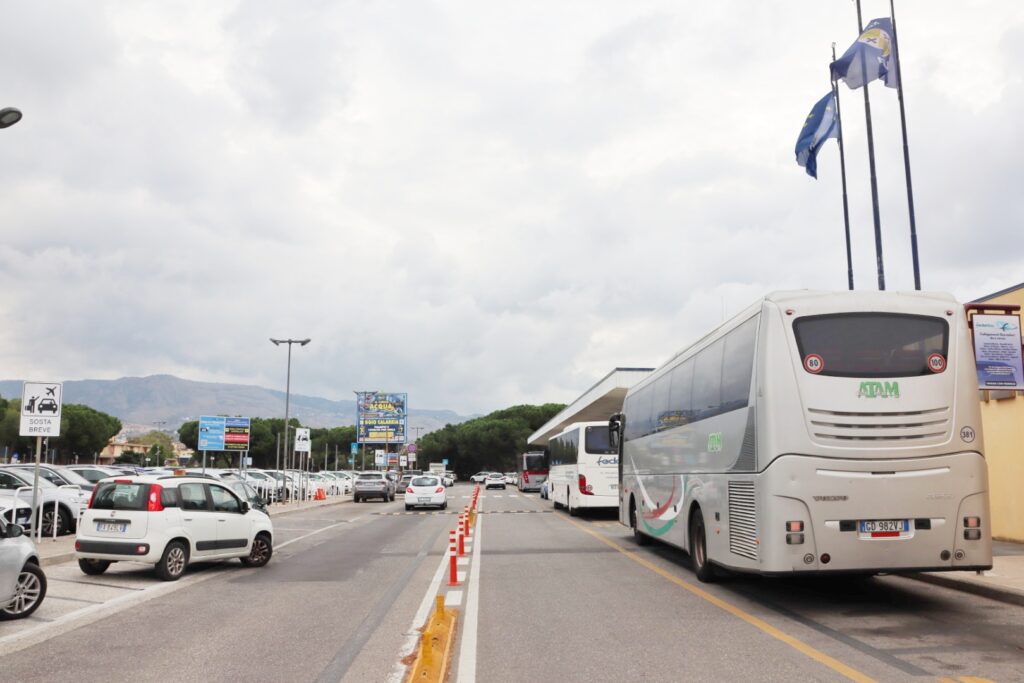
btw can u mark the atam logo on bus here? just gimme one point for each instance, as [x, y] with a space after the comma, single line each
[879, 390]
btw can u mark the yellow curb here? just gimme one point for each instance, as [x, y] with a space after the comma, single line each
[432, 659]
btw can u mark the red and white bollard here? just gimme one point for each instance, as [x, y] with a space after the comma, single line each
[462, 536]
[453, 572]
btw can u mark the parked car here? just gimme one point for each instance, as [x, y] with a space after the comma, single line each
[94, 473]
[22, 581]
[57, 506]
[447, 479]
[60, 476]
[248, 493]
[479, 477]
[373, 485]
[15, 510]
[510, 478]
[494, 480]
[403, 483]
[426, 490]
[169, 522]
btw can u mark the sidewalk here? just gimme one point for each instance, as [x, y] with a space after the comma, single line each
[63, 549]
[1004, 582]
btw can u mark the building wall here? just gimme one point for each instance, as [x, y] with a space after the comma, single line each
[1003, 422]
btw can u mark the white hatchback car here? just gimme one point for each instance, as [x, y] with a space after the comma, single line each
[22, 581]
[169, 521]
[426, 491]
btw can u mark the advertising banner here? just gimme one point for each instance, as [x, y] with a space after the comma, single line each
[301, 440]
[381, 417]
[218, 433]
[997, 350]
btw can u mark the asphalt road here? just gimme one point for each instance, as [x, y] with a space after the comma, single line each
[558, 599]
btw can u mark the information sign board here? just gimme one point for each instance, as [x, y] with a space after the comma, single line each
[997, 350]
[40, 408]
[301, 440]
[381, 417]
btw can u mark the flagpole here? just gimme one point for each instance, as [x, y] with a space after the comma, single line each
[906, 148]
[871, 162]
[842, 168]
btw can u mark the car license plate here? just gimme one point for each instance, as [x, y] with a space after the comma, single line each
[883, 528]
[423, 500]
[119, 527]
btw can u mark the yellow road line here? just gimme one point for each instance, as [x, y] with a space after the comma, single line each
[974, 679]
[760, 624]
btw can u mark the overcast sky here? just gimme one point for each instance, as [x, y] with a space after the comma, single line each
[479, 203]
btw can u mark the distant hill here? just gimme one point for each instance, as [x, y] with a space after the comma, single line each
[165, 398]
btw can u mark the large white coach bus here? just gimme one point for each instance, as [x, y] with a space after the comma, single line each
[814, 432]
[583, 468]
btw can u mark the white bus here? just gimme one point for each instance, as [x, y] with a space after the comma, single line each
[814, 432]
[532, 469]
[584, 468]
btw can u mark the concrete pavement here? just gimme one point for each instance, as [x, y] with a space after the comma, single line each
[1004, 582]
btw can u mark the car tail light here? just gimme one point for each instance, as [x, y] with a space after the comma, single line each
[154, 504]
[409, 490]
[92, 497]
[585, 488]
[78, 545]
[440, 489]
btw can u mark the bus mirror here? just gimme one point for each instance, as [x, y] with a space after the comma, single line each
[614, 427]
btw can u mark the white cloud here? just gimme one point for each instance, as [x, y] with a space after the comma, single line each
[479, 204]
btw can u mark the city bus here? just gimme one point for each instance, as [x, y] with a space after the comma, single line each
[583, 468]
[814, 432]
[532, 468]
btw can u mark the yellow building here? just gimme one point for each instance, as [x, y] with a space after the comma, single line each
[1002, 417]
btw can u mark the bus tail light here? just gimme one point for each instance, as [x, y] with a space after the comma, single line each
[526, 477]
[585, 488]
[972, 530]
[794, 526]
[154, 503]
[794, 539]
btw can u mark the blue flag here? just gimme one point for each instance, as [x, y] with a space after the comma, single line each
[821, 124]
[870, 57]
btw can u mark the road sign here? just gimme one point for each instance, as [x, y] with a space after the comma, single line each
[444, 461]
[40, 408]
[301, 440]
[402, 460]
[378, 457]
[236, 433]
[355, 448]
[211, 433]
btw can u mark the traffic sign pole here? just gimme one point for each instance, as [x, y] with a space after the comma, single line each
[35, 492]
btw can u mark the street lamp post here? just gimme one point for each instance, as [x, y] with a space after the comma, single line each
[288, 387]
[9, 116]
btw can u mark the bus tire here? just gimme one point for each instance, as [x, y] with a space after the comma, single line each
[702, 567]
[634, 524]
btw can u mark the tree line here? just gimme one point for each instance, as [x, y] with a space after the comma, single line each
[487, 443]
[263, 444]
[84, 432]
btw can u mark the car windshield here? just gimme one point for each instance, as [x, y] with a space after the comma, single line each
[26, 476]
[119, 496]
[424, 481]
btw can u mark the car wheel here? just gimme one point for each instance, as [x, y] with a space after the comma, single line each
[699, 549]
[49, 517]
[355, 499]
[634, 524]
[28, 593]
[444, 505]
[173, 562]
[408, 507]
[93, 567]
[260, 552]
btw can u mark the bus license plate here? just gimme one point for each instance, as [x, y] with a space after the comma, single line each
[119, 527]
[884, 528]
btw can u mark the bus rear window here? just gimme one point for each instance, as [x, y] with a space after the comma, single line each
[534, 462]
[871, 344]
[596, 441]
[120, 496]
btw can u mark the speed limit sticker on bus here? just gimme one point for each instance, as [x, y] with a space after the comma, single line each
[814, 363]
[936, 362]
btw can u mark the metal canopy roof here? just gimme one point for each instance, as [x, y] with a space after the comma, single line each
[597, 403]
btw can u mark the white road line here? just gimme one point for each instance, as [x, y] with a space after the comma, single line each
[467, 651]
[453, 599]
[412, 636]
[312, 533]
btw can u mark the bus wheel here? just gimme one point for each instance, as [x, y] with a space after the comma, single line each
[699, 549]
[634, 524]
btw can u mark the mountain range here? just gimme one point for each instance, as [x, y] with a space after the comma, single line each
[165, 401]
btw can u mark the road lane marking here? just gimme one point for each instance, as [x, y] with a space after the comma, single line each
[760, 624]
[453, 598]
[467, 648]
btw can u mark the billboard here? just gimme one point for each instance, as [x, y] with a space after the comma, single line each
[997, 349]
[218, 433]
[380, 417]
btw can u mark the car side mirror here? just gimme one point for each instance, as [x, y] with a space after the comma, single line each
[614, 430]
[14, 531]
[245, 507]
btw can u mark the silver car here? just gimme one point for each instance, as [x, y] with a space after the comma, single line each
[373, 485]
[22, 581]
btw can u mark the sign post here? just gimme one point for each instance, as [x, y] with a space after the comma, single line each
[302, 449]
[40, 416]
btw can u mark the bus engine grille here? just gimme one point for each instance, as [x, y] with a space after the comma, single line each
[742, 519]
[879, 427]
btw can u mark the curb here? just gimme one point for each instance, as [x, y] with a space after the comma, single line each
[56, 559]
[1005, 595]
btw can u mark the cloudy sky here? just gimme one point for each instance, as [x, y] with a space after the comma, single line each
[480, 203]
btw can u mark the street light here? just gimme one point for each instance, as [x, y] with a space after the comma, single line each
[288, 387]
[9, 116]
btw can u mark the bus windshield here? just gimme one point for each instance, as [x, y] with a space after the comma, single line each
[534, 461]
[871, 344]
[597, 442]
